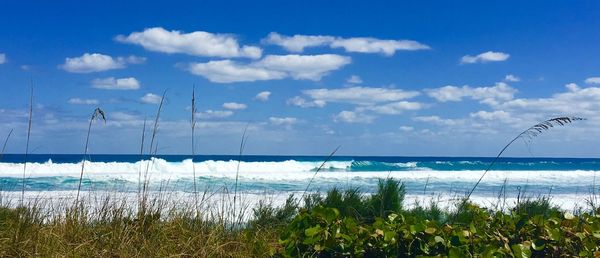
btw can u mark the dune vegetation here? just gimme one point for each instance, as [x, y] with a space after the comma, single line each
[338, 223]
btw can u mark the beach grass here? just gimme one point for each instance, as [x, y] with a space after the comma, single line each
[337, 223]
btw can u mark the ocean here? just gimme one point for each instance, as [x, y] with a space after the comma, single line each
[566, 180]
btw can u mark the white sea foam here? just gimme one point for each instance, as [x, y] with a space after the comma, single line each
[286, 171]
[55, 200]
[165, 170]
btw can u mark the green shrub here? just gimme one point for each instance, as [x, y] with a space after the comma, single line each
[538, 206]
[312, 200]
[388, 198]
[323, 232]
[431, 212]
[267, 215]
[350, 203]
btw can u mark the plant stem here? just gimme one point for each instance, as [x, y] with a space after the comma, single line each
[319, 169]
[5, 142]
[87, 141]
[97, 113]
[194, 149]
[237, 172]
[27, 145]
[141, 159]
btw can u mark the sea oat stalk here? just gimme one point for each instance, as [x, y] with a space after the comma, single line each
[98, 114]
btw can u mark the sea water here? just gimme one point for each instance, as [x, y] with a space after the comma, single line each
[568, 181]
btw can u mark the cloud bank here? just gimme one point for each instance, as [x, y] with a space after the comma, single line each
[298, 43]
[197, 43]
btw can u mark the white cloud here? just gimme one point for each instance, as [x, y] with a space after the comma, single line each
[499, 92]
[593, 80]
[263, 96]
[518, 114]
[373, 45]
[214, 114]
[283, 121]
[122, 129]
[394, 108]
[449, 93]
[96, 62]
[506, 115]
[497, 115]
[133, 59]
[369, 101]
[353, 117]
[572, 87]
[111, 83]
[151, 98]
[354, 79]
[493, 117]
[575, 101]
[407, 128]
[485, 57]
[272, 67]
[197, 43]
[80, 101]
[123, 116]
[359, 95]
[227, 71]
[301, 102]
[436, 120]
[307, 67]
[511, 78]
[2, 58]
[297, 43]
[234, 106]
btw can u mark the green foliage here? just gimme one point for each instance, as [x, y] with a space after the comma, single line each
[431, 212]
[538, 206]
[463, 213]
[338, 224]
[268, 216]
[312, 200]
[323, 232]
[351, 203]
[348, 224]
[389, 197]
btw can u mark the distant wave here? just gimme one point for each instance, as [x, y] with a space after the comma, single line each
[293, 176]
[161, 169]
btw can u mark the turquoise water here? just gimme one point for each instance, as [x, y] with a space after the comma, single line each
[440, 175]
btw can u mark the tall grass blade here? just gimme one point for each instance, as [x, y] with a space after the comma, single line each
[5, 143]
[194, 148]
[27, 145]
[528, 134]
[98, 114]
[153, 141]
[141, 158]
[319, 169]
[237, 172]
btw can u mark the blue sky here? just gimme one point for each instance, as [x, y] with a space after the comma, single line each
[385, 78]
